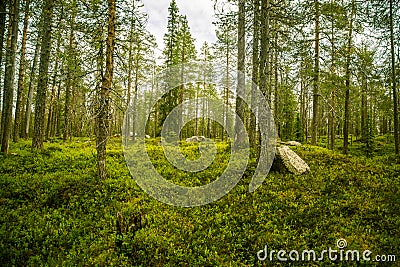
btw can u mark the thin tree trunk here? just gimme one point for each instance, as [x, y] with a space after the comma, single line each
[394, 89]
[196, 129]
[104, 98]
[255, 72]
[129, 92]
[40, 107]
[227, 86]
[314, 136]
[68, 89]
[9, 75]
[55, 129]
[347, 93]
[276, 93]
[156, 112]
[303, 117]
[241, 83]
[17, 121]
[135, 97]
[333, 92]
[264, 58]
[53, 87]
[28, 107]
[181, 90]
[2, 32]
[364, 107]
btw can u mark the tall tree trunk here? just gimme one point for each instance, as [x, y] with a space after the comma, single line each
[275, 65]
[264, 58]
[9, 75]
[156, 112]
[55, 129]
[54, 84]
[227, 85]
[347, 93]
[315, 118]
[255, 72]
[302, 100]
[364, 105]
[104, 98]
[17, 121]
[196, 127]
[241, 83]
[130, 67]
[181, 92]
[40, 106]
[333, 92]
[135, 96]
[394, 89]
[264, 50]
[2, 32]
[70, 70]
[28, 107]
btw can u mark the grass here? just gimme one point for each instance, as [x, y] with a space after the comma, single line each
[55, 212]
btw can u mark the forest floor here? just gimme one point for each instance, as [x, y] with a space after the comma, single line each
[55, 212]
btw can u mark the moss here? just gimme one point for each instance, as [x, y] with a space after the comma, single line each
[54, 210]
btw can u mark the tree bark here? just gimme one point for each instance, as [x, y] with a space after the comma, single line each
[314, 124]
[28, 108]
[264, 62]
[40, 106]
[17, 120]
[55, 123]
[364, 104]
[333, 92]
[9, 75]
[70, 70]
[135, 96]
[276, 92]
[104, 98]
[347, 94]
[54, 84]
[241, 83]
[227, 85]
[255, 72]
[2, 32]
[130, 68]
[394, 89]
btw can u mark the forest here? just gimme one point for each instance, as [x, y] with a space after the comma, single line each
[95, 111]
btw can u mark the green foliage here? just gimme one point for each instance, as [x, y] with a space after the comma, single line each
[55, 212]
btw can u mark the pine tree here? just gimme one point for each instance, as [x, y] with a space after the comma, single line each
[240, 94]
[9, 75]
[225, 49]
[18, 108]
[186, 52]
[40, 106]
[3, 9]
[171, 37]
[315, 116]
[103, 123]
[348, 78]
[179, 49]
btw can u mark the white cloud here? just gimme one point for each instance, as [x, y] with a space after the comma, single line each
[200, 15]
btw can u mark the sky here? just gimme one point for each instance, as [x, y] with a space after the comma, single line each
[200, 15]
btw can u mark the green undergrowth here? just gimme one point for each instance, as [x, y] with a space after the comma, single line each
[56, 212]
